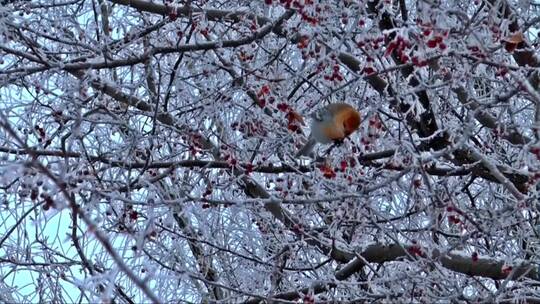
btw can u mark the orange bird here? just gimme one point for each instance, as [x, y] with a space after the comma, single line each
[332, 123]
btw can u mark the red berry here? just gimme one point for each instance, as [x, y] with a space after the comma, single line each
[303, 43]
[265, 89]
[327, 171]
[133, 215]
[432, 43]
[283, 107]
[343, 164]
[368, 70]
[390, 48]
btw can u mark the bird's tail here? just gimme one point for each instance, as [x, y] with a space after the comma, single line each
[307, 148]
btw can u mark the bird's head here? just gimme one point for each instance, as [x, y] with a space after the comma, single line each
[348, 118]
[351, 122]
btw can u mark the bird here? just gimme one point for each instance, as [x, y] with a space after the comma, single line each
[333, 123]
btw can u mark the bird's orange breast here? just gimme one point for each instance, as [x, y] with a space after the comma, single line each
[333, 133]
[349, 119]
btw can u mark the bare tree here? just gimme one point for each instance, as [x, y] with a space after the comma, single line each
[148, 151]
